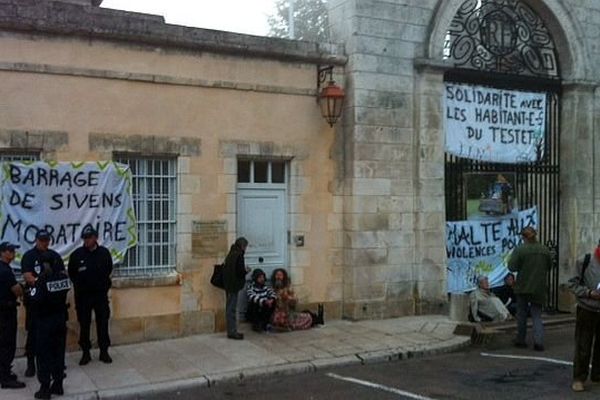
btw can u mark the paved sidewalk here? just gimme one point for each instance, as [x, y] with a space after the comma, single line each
[153, 367]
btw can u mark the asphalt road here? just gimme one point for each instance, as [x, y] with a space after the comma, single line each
[471, 374]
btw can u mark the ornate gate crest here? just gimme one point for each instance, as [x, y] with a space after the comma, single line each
[504, 36]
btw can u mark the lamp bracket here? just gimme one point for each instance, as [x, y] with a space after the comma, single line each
[323, 72]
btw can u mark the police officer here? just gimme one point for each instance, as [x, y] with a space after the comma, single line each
[31, 268]
[90, 267]
[10, 290]
[48, 301]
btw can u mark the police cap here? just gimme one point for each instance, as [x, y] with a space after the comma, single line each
[88, 232]
[42, 234]
[6, 246]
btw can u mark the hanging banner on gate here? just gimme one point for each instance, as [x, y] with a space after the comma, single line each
[495, 125]
[63, 198]
[482, 247]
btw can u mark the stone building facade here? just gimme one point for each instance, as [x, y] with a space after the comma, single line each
[393, 142]
[221, 119]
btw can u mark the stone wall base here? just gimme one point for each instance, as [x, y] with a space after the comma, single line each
[363, 310]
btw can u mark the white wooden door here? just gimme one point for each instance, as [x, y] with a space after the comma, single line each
[262, 220]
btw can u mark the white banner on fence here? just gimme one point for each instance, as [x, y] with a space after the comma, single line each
[482, 247]
[63, 198]
[494, 125]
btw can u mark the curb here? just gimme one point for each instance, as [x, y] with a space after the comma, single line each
[191, 384]
[485, 333]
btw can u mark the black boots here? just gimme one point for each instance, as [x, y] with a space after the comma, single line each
[43, 393]
[57, 388]
[236, 336]
[12, 384]
[85, 358]
[105, 357]
[30, 371]
[320, 316]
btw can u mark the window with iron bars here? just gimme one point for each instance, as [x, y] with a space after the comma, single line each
[155, 198]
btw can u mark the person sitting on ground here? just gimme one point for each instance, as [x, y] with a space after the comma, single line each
[261, 301]
[506, 293]
[285, 315]
[485, 305]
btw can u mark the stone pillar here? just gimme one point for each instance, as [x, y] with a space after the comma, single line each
[430, 214]
[579, 229]
[391, 169]
[579, 223]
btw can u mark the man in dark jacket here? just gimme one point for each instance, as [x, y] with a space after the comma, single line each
[90, 267]
[234, 277]
[10, 290]
[586, 287]
[532, 261]
[48, 300]
[506, 293]
[31, 266]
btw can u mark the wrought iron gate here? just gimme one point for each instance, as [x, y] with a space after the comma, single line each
[535, 184]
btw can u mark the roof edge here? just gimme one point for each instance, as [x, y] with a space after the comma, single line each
[69, 19]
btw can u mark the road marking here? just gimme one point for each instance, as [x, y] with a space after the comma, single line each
[380, 387]
[546, 359]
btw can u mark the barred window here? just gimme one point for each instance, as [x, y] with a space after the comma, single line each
[155, 199]
[19, 156]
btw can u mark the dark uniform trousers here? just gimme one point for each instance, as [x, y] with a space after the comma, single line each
[587, 328]
[50, 346]
[86, 302]
[8, 341]
[30, 328]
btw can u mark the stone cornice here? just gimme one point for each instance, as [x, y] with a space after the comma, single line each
[75, 20]
[429, 64]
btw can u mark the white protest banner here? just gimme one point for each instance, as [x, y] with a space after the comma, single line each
[482, 247]
[63, 198]
[494, 125]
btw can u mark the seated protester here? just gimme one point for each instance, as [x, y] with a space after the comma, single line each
[506, 294]
[285, 315]
[261, 301]
[485, 305]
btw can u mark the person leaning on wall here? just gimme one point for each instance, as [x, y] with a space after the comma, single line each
[586, 287]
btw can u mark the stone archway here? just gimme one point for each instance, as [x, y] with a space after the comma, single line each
[578, 231]
[566, 32]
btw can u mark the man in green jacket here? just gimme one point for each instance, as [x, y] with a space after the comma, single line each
[532, 261]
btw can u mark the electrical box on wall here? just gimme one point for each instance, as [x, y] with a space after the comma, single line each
[299, 240]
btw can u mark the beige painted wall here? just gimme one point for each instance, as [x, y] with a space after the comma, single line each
[232, 106]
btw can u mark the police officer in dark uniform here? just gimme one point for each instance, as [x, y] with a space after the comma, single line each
[48, 301]
[31, 268]
[10, 290]
[90, 267]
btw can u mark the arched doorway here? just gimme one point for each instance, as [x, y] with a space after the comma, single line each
[501, 50]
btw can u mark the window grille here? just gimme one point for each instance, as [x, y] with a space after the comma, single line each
[26, 156]
[154, 189]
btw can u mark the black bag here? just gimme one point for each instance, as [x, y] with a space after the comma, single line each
[217, 279]
[586, 263]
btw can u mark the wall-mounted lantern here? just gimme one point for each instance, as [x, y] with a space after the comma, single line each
[330, 96]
